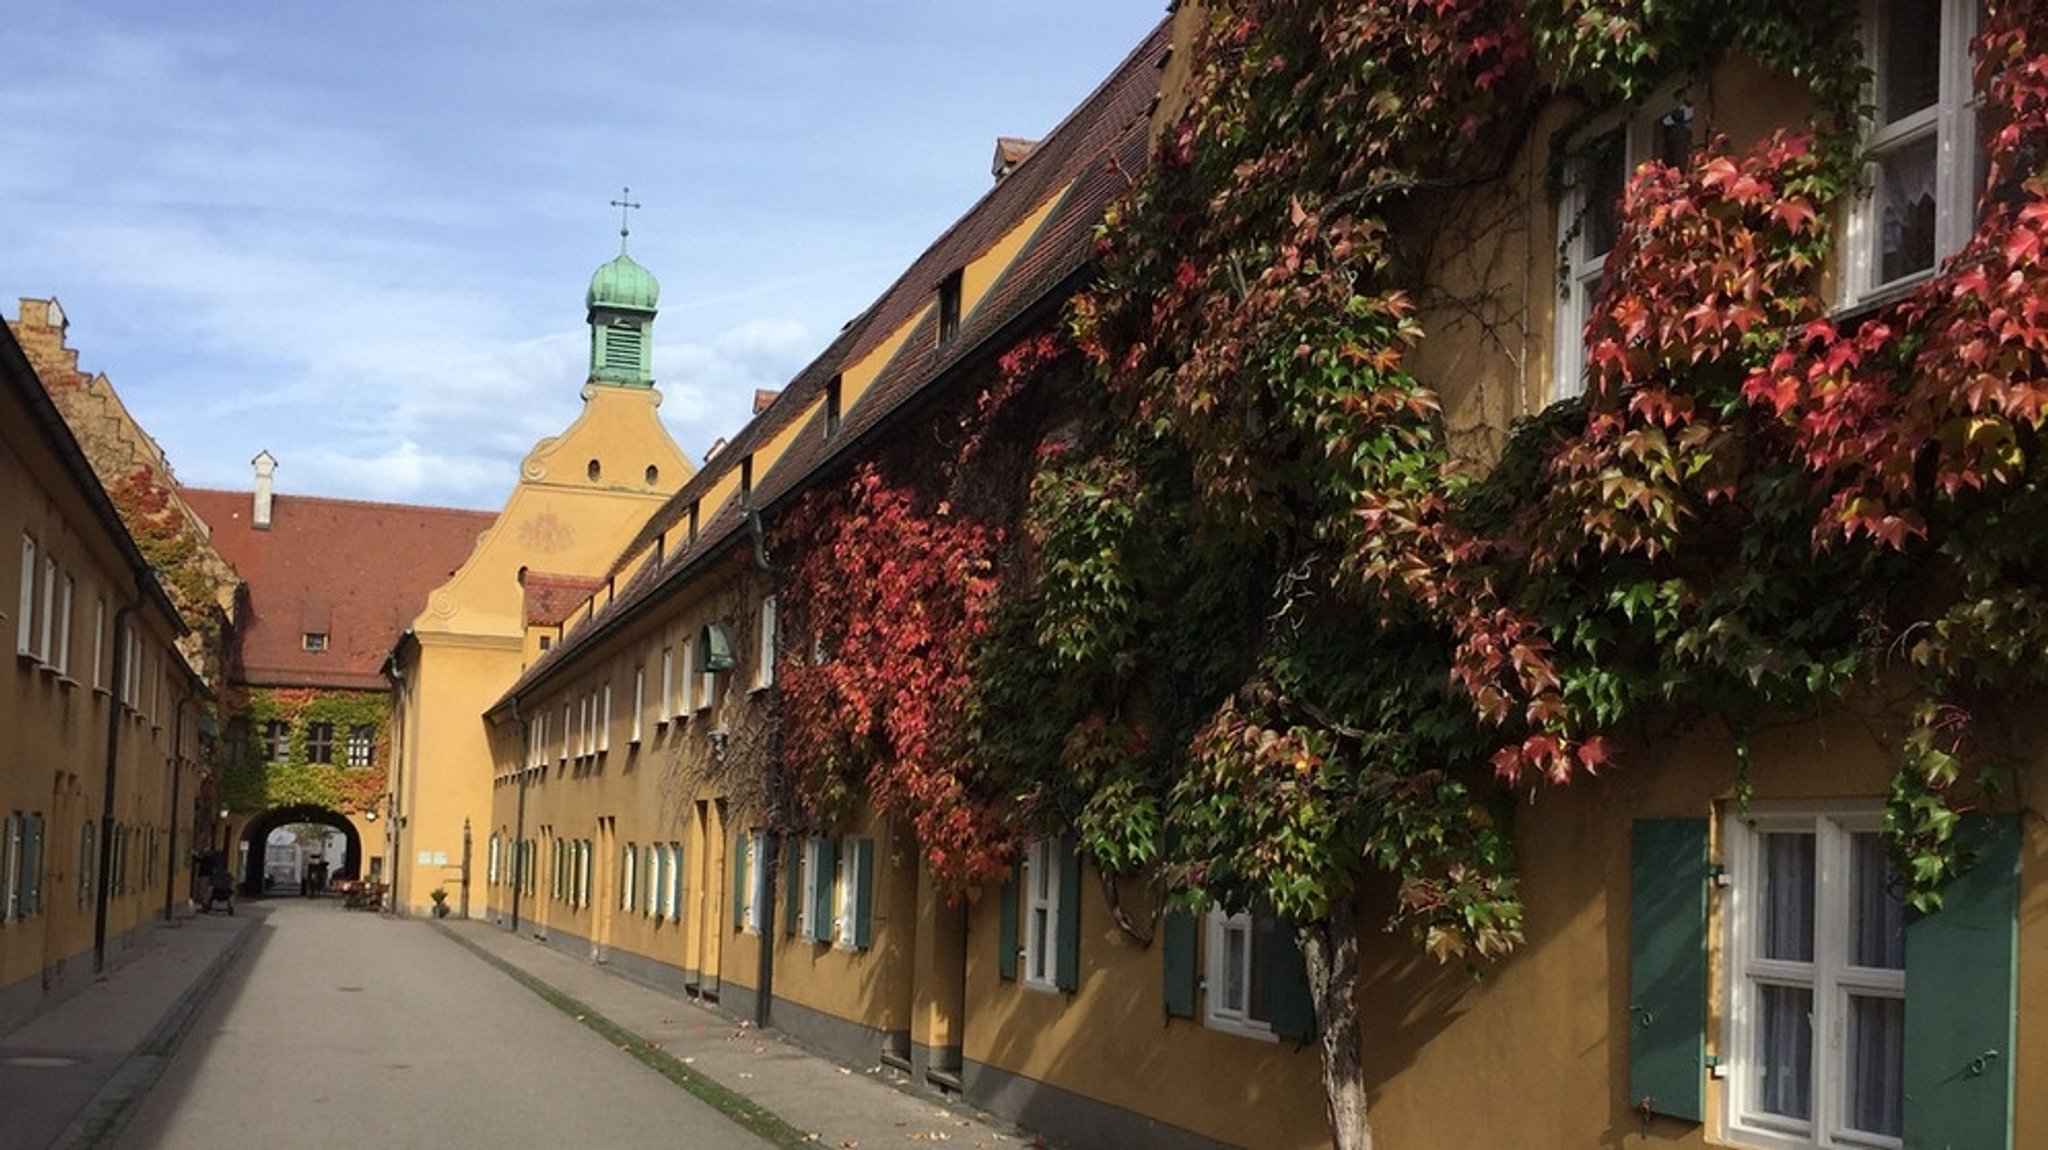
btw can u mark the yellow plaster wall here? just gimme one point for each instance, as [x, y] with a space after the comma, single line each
[56, 725]
[473, 639]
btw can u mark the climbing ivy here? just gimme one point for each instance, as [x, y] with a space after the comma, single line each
[253, 783]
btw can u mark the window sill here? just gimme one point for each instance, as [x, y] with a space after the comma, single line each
[1256, 1031]
[67, 682]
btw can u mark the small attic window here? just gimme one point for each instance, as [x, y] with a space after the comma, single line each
[832, 402]
[653, 475]
[595, 470]
[693, 521]
[546, 641]
[949, 308]
[746, 478]
[313, 641]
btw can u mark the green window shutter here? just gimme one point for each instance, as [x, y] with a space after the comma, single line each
[32, 866]
[864, 894]
[739, 881]
[1289, 1004]
[1067, 956]
[1667, 973]
[1960, 1004]
[793, 883]
[1006, 924]
[1179, 938]
[821, 901]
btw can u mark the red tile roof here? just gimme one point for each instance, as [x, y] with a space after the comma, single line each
[551, 599]
[359, 573]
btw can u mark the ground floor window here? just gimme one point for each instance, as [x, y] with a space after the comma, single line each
[1817, 989]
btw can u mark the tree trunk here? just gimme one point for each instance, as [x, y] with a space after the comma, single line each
[1330, 950]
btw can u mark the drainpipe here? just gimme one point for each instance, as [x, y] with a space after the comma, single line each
[771, 868]
[105, 882]
[519, 821]
[171, 865]
[394, 827]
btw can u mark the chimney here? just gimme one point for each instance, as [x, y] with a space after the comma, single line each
[266, 465]
[763, 397]
[1010, 151]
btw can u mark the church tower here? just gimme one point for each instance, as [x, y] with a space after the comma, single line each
[621, 305]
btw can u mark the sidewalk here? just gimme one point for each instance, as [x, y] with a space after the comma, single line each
[68, 1074]
[827, 1104]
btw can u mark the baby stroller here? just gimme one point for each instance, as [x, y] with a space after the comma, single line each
[220, 888]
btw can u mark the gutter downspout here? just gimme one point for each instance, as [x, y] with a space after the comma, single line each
[105, 880]
[771, 868]
[394, 825]
[519, 819]
[177, 774]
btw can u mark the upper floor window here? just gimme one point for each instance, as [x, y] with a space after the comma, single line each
[833, 399]
[319, 742]
[1601, 162]
[1920, 195]
[949, 308]
[24, 619]
[313, 641]
[277, 741]
[362, 744]
[764, 665]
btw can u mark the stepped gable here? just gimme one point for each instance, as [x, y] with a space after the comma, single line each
[1088, 161]
[357, 573]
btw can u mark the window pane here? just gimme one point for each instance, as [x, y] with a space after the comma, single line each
[1235, 961]
[1784, 1055]
[1909, 74]
[1877, 1065]
[1877, 920]
[1673, 137]
[1788, 897]
[1041, 942]
[1905, 218]
[1604, 174]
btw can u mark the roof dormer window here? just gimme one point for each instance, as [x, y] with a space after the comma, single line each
[949, 308]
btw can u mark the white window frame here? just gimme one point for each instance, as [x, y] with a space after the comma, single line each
[99, 644]
[756, 901]
[604, 719]
[807, 893]
[672, 882]
[1041, 942]
[1830, 975]
[568, 727]
[46, 625]
[707, 687]
[846, 897]
[764, 669]
[65, 597]
[1219, 1012]
[24, 624]
[668, 683]
[639, 703]
[1951, 122]
[686, 693]
[1582, 269]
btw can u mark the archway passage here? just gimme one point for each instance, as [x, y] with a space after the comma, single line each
[255, 848]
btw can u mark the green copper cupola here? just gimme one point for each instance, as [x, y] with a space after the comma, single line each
[621, 305]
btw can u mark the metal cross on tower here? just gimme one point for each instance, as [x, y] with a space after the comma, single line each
[625, 204]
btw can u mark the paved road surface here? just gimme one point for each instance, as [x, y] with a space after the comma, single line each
[349, 1030]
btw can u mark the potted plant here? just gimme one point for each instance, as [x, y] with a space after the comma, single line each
[440, 896]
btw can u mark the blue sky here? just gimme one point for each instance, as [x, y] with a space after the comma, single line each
[358, 235]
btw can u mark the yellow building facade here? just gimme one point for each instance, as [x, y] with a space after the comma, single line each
[99, 716]
[580, 497]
